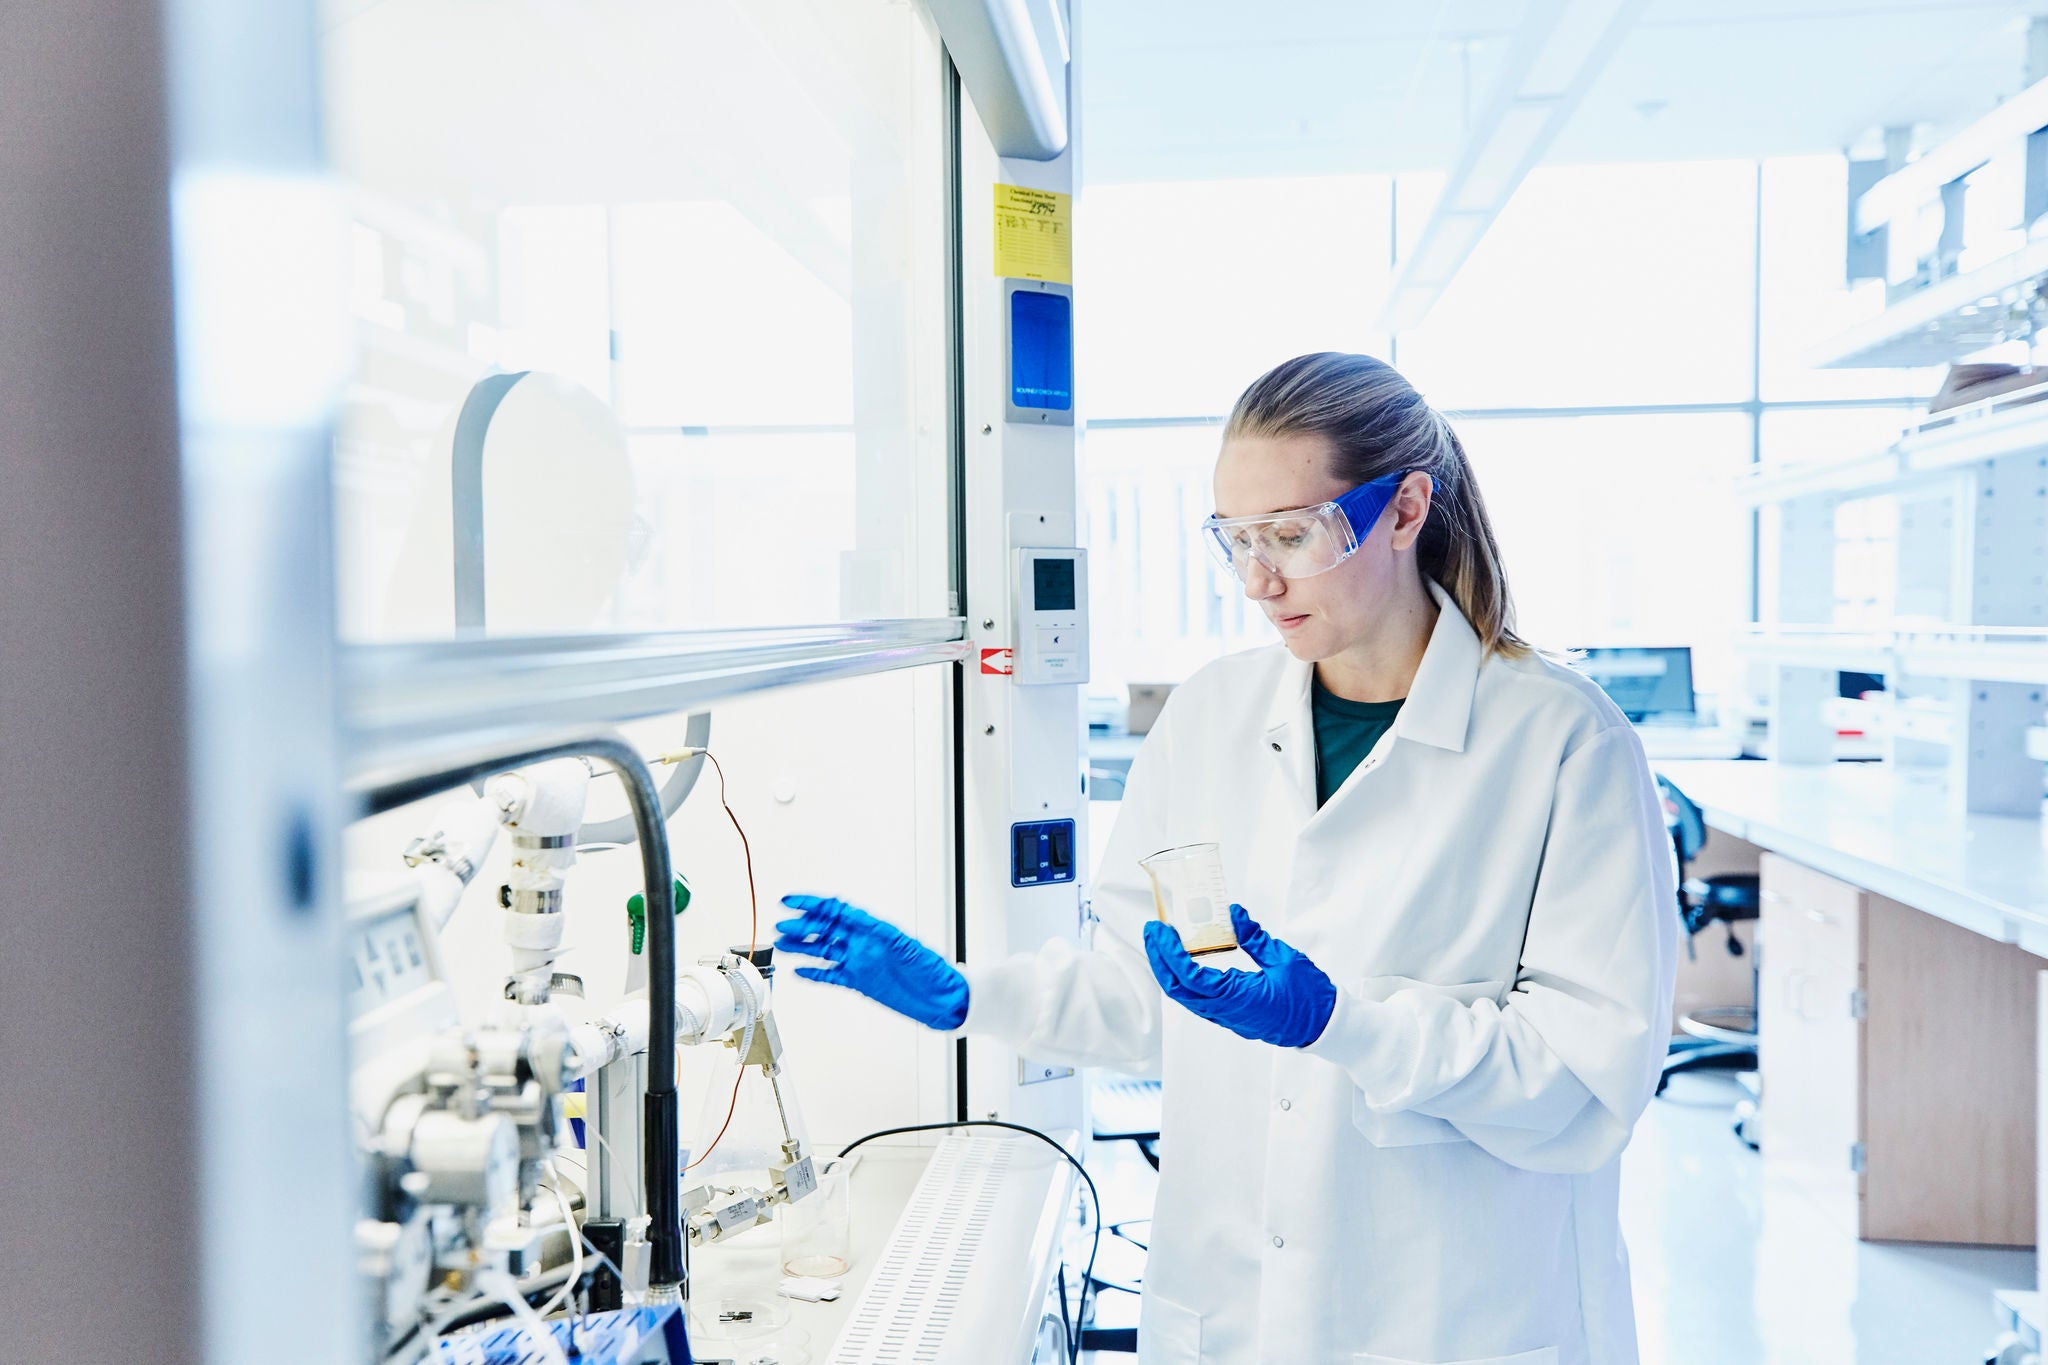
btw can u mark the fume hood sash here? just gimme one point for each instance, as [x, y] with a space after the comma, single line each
[1012, 57]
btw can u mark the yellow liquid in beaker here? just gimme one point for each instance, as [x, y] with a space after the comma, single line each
[1212, 932]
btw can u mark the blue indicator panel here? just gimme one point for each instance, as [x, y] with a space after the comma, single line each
[1042, 853]
[1041, 351]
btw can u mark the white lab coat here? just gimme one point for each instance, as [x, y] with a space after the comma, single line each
[1435, 1178]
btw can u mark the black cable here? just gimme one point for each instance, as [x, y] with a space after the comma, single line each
[1088, 1276]
[1066, 1327]
[668, 1248]
[532, 1290]
[535, 1291]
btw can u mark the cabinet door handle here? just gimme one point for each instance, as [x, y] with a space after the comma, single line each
[1796, 996]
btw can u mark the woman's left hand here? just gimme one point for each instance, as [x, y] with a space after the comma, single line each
[1287, 1002]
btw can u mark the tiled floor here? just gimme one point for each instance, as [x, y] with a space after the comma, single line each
[1727, 1272]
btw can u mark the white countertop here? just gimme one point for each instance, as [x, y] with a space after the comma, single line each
[886, 1174]
[1000, 1279]
[1862, 823]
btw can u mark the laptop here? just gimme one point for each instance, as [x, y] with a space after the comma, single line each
[1651, 684]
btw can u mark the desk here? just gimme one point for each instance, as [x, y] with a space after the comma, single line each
[1897, 988]
[751, 1263]
[1864, 824]
[989, 1312]
[1663, 742]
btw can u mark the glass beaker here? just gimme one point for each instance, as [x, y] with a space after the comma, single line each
[817, 1230]
[1191, 895]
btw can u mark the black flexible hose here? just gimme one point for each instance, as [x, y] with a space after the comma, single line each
[384, 792]
[1088, 1277]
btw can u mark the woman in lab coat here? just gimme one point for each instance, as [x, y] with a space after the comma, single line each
[1398, 1142]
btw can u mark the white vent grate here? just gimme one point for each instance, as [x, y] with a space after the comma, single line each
[906, 1309]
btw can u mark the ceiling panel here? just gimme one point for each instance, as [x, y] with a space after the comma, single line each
[1226, 90]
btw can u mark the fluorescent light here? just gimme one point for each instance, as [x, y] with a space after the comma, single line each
[1557, 53]
[1573, 42]
[1486, 182]
[1445, 244]
[1450, 238]
[1407, 308]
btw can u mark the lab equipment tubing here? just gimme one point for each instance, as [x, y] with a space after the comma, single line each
[385, 792]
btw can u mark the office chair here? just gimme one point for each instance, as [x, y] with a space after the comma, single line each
[1125, 1110]
[1713, 1038]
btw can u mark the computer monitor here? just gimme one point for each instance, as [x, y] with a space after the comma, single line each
[1645, 682]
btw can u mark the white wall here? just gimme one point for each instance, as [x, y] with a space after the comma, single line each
[843, 789]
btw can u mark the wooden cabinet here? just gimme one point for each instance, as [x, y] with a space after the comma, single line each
[1809, 1040]
[1898, 1059]
[2041, 1126]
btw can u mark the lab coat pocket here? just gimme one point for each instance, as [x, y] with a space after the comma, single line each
[1168, 1334]
[1405, 1127]
[1545, 1355]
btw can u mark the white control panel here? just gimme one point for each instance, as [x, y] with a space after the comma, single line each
[398, 993]
[1051, 615]
[387, 959]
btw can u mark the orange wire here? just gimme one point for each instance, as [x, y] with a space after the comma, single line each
[753, 938]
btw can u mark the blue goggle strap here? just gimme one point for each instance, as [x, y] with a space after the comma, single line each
[1362, 505]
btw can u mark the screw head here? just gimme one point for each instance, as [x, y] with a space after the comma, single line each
[986, 429]
[988, 730]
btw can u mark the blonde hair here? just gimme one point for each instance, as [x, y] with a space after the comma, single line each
[1377, 424]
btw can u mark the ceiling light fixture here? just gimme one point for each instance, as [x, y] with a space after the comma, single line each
[1559, 50]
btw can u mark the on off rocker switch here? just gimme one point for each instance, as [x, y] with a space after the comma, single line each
[1042, 853]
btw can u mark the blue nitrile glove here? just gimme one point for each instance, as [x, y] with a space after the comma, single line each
[1287, 1002]
[875, 958]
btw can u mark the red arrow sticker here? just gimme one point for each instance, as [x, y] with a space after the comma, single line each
[997, 661]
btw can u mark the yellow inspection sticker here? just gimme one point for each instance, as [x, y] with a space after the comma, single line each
[1034, 235]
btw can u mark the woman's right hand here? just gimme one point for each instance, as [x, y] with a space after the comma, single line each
[875, 958]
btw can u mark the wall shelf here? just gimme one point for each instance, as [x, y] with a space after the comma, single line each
[2003, 427]
[1987, 653]
[1888, 718]
[1949, 319]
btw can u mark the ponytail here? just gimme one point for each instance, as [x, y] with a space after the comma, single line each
[1377, 424]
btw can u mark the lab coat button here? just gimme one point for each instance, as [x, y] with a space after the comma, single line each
[1279, 1242]
[1286, 1104]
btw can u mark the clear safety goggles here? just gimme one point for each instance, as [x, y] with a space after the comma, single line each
[1308, 540]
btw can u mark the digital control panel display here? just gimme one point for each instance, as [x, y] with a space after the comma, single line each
[1051, 640]
[386, 961]
[1052, 585]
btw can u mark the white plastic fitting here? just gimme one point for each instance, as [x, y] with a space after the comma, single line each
[544, 800]
[707, 1007]
[620, 1034]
